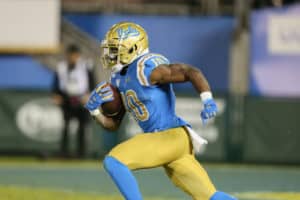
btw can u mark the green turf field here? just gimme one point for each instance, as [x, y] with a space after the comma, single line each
[28, 179]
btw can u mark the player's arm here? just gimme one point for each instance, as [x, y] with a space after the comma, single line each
[178, 73]
[102, 94]
[109, 123]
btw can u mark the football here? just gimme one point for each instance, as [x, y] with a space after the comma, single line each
[115, 107]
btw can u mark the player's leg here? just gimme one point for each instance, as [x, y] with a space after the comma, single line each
[187, 174]
[83, 119]
[152, 149]
[123, 178]
[64, 145]
[144, 151]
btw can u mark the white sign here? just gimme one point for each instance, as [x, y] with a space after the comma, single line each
[284, 34]
[40, 120]
[29, 25]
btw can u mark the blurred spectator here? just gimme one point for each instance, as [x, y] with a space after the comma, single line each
[73, 82]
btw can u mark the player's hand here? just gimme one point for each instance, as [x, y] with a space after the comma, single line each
[101, 94]
[209, 111]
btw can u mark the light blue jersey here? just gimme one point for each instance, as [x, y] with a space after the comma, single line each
[153, 106]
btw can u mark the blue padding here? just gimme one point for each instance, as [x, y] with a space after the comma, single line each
[222, 196]
[23, 72]
[123, 178]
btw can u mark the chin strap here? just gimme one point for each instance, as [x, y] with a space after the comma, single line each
[116, 68]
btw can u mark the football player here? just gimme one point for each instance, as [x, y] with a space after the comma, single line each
[145, 80]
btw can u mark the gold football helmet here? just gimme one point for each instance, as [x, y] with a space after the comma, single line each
[123, 43]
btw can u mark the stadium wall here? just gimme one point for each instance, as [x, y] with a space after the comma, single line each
[269, 132]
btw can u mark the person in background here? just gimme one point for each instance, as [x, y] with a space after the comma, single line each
[72, 85]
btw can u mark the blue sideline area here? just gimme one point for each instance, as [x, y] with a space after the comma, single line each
[200, 41]
[23, 72]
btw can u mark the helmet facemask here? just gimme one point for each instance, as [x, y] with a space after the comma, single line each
[117, 57]
[109, 55]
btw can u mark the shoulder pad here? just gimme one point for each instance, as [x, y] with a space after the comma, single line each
[146, 64]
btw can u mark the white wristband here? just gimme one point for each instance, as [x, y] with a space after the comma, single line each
[206, 95]
[95, 112]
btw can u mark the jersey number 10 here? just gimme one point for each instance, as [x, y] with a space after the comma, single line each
[135, 106]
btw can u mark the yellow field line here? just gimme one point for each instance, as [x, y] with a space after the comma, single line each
[269, 195]
[29, 193]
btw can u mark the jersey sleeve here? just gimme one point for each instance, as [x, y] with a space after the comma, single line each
[146, 65]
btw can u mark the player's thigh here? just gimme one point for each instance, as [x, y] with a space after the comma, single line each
[152, 149]
[187, 174]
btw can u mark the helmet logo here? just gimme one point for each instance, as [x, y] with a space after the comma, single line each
[124, 33]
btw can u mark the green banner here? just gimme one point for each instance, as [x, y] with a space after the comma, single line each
[269, 132]
[31, 123]
[272, 131]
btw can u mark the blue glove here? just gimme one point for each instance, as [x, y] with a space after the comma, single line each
[101, 94]
[210, 110]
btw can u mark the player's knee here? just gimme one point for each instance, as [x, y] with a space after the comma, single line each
[129, 162]
[110, 164]
[222, 196]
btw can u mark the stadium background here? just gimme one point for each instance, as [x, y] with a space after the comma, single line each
[250, 53]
